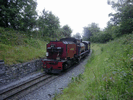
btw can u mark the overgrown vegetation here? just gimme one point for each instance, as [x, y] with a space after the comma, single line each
[108, 74]
[24, 33]
[22, 16]
[18, 47]
[120, 23]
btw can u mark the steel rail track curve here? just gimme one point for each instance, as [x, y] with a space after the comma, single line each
[18, 91]
[23, 88]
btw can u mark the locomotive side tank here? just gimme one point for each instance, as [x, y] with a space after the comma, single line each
[61, 54]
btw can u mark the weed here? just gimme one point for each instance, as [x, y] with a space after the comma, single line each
[17, 47]
[101, 49]
[73, 79]
[108, 74]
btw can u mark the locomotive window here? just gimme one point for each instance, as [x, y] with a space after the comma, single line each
[68, 42]
[58, 47]
[65, 42]
[52, 45]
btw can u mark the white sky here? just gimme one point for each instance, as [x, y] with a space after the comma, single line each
[78, 13]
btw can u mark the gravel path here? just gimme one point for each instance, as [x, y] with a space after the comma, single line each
[48, 91]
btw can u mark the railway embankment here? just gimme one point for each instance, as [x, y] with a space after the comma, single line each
[35, 82]
[20, 54]
[108, 74]
[49, 90]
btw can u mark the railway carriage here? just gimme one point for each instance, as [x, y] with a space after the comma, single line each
[63, 53]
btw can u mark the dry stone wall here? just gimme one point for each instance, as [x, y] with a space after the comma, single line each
[14, 72]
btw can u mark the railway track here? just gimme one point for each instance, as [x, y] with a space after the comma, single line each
[19, 90]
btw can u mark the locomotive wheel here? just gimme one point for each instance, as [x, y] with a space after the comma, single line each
[65, 66]
[79, 59]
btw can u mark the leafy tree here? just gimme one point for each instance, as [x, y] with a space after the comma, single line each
[66, 31]
[18, 14]
[28, 21]
[101, 37]
[22, 15]
[52, 23]
[124, 16]
[77, 35]
[91, 30]
[93, 27]
[42, 25]
[86, 33]
[120, 23]
[112, 30]
[48, 24]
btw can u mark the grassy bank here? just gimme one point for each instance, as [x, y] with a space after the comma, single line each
[18, 47]
[108, 74]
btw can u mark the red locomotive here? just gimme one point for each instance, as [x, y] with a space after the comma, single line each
[62, 54]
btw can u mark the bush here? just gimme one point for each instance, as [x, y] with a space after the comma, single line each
[101, 38]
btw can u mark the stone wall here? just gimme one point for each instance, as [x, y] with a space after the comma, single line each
[14, 72]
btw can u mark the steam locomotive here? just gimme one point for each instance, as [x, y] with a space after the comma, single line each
[63, 53]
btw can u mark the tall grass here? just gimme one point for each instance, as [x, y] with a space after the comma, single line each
[20, 54]
[108, 74]
[18, 47]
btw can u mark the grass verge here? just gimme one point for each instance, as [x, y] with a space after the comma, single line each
[108, 74]
[20, 54]
[18, 47]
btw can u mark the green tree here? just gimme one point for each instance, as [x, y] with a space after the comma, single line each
[48, 24]
[93, 27]
[66, 31]
[77, 35]
[18, 14]
[86, 33]
[123, 16]
[91, 30]
[112, 30]
[28, 21]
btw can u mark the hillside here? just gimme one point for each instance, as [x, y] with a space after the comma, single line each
[108, 74]
[18, 47]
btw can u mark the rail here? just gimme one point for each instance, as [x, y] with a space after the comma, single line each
[23, 88]
[18, 91]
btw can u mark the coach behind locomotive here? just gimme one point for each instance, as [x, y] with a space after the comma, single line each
[62, 54]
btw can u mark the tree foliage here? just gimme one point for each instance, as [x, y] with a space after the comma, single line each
[21, 15]
[66, 31]
[120, 23]
[123, 16]
[86, 33]
[18, 14]
[48, 24]
[91, 30]
[77, 35]
[93, 27]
